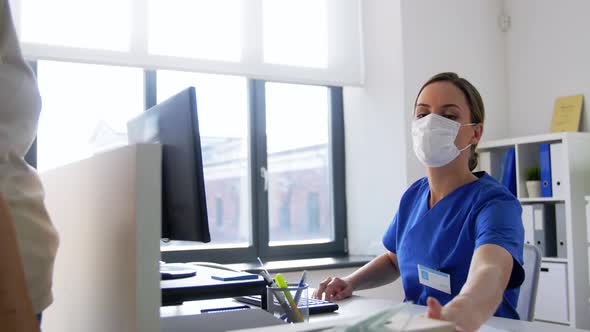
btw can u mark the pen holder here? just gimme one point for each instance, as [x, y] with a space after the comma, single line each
[280, 303]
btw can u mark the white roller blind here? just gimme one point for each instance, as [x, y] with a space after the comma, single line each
[307, 41]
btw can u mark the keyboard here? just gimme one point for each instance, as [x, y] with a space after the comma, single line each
[315, 306]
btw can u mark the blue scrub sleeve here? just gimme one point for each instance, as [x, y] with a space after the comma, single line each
[390, 237]
[499, 222]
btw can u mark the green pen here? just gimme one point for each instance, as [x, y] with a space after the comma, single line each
[280, 280]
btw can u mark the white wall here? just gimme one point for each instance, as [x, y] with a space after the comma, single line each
[374, 128]
[461, 36]
[406, 42]
[548, 55]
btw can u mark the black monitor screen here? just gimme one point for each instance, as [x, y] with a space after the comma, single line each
[174, 124]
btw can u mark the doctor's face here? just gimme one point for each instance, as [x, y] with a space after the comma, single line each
[445, 99]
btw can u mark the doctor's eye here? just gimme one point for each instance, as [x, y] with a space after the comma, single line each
[451, 117]
[421, 111]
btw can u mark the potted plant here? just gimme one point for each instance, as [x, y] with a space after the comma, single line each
[533, 181]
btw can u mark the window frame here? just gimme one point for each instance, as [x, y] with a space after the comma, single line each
[336, 148]
[259, 246]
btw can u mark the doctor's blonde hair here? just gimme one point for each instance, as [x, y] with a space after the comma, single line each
[473, 100]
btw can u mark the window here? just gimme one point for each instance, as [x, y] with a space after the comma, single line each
[271, 167]
[85, 109]
[272, 152]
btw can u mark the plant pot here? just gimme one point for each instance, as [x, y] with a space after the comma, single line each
[533, 188]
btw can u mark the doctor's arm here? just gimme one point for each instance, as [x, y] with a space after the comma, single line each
[378, 272]
[482, 293]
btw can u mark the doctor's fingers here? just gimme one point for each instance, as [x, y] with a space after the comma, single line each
[337, 289]
[319, 292]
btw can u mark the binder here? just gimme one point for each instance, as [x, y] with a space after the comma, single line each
[528, 224]
[560, 230]
[545, 166]
[544, 229]
[508, 172]
[550, 230]
[557, 169]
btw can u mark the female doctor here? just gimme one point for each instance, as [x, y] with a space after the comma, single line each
[457, 237]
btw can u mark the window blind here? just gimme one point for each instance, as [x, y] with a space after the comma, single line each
[302, 41]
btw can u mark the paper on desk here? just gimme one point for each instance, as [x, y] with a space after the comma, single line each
[388, 320]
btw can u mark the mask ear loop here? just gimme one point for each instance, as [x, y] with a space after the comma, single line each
[467, 124]
[465, 148]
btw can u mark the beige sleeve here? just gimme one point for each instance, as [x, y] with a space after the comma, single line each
[20, 103]
[16, 311]
[19, 183]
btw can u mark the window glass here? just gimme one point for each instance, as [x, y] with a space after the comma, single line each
[299, 187]
[85, 109]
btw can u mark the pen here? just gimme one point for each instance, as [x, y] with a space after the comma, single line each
[239, 307]
[299, 287]
[280, 280]
[262, 265]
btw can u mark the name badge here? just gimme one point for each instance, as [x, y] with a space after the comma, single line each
[434, 279]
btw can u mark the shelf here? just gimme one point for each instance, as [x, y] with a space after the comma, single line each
[563, 291]
[554, 260]
[540, 199]
[553, 322]
[536, 139]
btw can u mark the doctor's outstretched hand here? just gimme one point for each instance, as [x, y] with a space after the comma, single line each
[459, 311]
[334, 289]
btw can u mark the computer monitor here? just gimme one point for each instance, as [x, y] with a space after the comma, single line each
[174, 124]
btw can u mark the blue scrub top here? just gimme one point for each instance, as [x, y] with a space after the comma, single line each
[445, 237]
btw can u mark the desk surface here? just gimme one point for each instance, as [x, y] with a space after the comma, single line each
[202, 286]
[362, 306]
[357, 306]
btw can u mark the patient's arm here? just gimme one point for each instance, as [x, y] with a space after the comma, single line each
[16, 310]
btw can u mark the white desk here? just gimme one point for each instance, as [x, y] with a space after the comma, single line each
[357, 306]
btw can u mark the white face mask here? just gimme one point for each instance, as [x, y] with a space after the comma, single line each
[434, 140]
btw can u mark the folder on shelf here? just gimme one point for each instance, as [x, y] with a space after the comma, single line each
[545, 166]
[527, 222]
[560, 230]
[544, 228]
[557, 169]
[508, 171]
[550, 230]
[567, 113]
